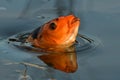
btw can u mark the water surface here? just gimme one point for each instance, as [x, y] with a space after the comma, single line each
[98, 18]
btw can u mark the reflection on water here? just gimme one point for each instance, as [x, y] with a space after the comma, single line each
[64, 61]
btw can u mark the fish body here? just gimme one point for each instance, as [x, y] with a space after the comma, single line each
[58, 35]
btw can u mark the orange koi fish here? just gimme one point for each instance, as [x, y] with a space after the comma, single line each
[60, 32]
[59, 35]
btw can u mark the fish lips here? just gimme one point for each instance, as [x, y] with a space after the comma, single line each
[75, 19]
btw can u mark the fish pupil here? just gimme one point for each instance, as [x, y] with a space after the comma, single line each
[52, 26]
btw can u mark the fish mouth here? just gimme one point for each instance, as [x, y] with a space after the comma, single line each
[75, 19]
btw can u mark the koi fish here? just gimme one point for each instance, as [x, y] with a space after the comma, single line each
[60, 32]
[56, 38]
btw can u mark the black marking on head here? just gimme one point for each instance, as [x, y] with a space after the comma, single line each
[35, 33]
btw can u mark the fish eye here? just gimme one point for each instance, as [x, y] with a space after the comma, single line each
[52, 26]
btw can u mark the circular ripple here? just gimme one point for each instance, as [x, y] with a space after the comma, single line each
[86, 42]
[83, 42]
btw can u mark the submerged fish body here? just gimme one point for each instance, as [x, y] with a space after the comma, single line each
[57, 33]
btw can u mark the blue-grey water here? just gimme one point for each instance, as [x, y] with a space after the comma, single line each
[99, 18]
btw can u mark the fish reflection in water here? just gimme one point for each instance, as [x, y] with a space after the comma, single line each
[64, 61]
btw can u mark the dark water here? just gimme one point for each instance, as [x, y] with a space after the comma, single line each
[98, 18]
